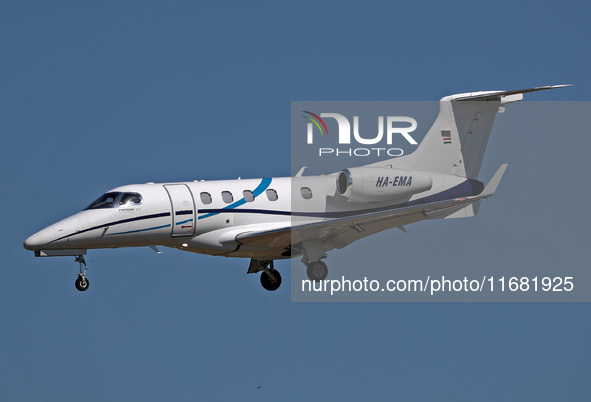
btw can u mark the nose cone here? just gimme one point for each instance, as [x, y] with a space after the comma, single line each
[55, 236]
[35, 242]
[40, 239]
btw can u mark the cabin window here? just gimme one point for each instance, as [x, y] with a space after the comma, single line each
[271, 194]
[248, 196]
[205, 198]
[130, 198]
[104, 201]
[227, 197]
[306, 193]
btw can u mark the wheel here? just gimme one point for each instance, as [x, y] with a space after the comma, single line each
[317, 271]
[82, 283]
[270, 284]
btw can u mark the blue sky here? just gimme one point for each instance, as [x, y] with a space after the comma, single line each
[99, 94]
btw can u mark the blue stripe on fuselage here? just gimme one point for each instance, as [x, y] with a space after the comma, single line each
[140, 230]
[181, 222]
[467, 188]
[264, 184]
[119, 222]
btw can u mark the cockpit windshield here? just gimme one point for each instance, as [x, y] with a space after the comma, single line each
[130, 198]
[110, 200]
[104, 201]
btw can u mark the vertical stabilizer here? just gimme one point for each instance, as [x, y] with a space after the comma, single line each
[456, 143]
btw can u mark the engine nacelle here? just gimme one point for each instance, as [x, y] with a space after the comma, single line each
[367, 184]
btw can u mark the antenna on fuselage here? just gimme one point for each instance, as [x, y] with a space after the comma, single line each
[301, 172]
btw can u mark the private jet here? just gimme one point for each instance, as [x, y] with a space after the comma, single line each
[277, 218]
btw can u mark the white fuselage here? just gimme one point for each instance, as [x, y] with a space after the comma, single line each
[206, 216]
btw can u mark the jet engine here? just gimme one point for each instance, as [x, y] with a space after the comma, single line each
[366, 184]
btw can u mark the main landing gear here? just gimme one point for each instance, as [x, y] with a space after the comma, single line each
[271, 280]
[317, 271]
[314, 252]
[270, 277]
[81, 282]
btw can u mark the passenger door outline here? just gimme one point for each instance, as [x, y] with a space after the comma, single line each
[182, 205]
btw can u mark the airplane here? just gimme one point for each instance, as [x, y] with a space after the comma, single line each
[270, 219]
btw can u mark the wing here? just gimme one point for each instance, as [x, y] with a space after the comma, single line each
[338, 233]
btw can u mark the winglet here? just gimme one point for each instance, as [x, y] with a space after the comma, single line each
[493, 183]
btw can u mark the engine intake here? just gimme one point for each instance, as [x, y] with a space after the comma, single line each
[380, 184]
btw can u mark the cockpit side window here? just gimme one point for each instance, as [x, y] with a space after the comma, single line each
[130, 198]
[104, 201]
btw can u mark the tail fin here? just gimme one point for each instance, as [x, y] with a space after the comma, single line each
[456, 143]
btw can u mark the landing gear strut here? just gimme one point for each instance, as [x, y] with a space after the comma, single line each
[81, 282]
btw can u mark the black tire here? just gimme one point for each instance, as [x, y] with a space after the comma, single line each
[270, 284]
[317, 271]
[82, 284]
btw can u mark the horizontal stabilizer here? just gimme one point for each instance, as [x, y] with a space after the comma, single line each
[493, 183]
[488, 95]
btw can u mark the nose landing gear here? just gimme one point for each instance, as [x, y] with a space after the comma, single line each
[81, 282]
